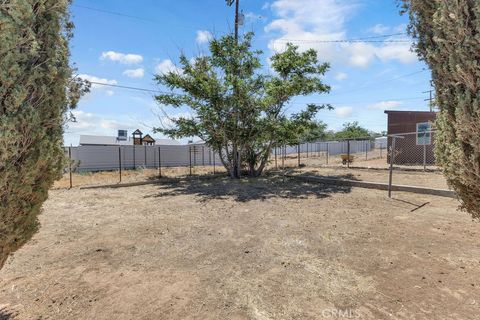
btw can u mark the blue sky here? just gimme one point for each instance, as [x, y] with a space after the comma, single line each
[126, 42]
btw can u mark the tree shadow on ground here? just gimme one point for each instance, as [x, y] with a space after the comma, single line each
[7, 314]
[248, 189]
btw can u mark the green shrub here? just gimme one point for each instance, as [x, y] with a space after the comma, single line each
[448, 40]
[36, 91]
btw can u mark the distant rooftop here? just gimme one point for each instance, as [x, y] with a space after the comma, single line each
[113, 141]
[404, 111]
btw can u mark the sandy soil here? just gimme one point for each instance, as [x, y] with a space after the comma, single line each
[112, 177]
[264, 249]
[434, 180]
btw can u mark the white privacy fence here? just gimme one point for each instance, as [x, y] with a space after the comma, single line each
[332, 148]
[108, 158]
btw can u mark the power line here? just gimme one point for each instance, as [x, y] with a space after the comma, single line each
[127, 87]
[353, 40]
[120, 14]
[112, 12]
[164, 92]
[380, 82]
[343, 41]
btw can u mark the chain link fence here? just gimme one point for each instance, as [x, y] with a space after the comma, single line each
[90, 165]
[405, 158]
[400, 159]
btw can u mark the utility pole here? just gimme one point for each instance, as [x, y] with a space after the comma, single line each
[430, 99]
[236, 153]
[237, 21]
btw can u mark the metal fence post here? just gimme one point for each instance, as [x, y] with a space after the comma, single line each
[348, 153]
[194, 155]
[307, 149]
[366, 149]
[392, 159]
[159, 163]
[203, 156]
[70, 165]
[134, 158]
[298, 154]
[276, 164]
[284, 151]
[424, 152]
[213, 161]
[120, 164]
[190, 158]
[327, 152]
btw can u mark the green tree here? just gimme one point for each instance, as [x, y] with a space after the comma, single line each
[447, 37]
[316, 132]
[236, 107]
[36, 90]
[352, 130]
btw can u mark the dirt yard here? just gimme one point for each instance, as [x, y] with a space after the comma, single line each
[434, 180]
[265, 249]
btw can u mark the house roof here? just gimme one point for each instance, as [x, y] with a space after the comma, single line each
[166, 142]
[113, 141]
[148, 138]
[103, 140]
[400, 111]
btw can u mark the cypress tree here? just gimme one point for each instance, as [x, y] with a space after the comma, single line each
[36, 91]
[448, 40]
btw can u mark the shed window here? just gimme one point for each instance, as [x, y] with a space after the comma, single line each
[424, 134]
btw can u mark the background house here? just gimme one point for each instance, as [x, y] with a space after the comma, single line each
[415, 127]
[122, 139]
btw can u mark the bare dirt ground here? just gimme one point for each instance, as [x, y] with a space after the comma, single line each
[113, 177]
[434, 180]
[249, 249]
[372, 170]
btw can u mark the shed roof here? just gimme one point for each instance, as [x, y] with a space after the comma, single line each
[403, 111]
[148, 138]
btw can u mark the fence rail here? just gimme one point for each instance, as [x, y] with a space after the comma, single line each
[407, 151]
[104, 158]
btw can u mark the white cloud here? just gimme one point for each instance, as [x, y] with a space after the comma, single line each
[344, 112]
[305, 25]
[125, 58]
[96, 79]
[134, 73]
[97, 83]
[83, 121]
[302, 21]
[167, 66]
[340, 76]
[94, 123]
[362, 54]
[397, 51]
[380, 29]
[400, 28]
[385, 105]
[203, 36]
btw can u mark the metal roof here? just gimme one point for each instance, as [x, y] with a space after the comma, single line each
[113, 141]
